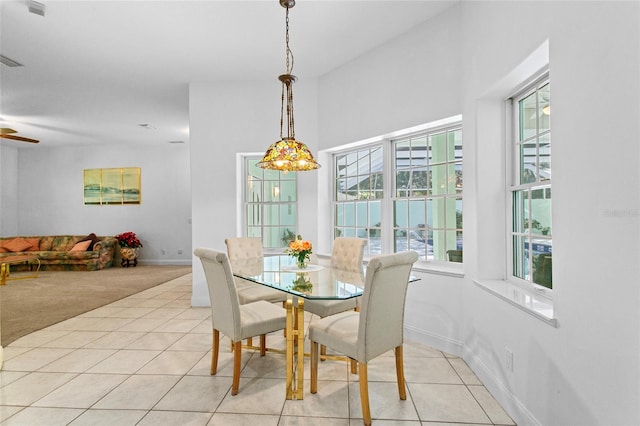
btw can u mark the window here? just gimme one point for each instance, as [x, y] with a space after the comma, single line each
[359, 191]
[427, 207]
[270, 204]
[423, 209]
[530, 189]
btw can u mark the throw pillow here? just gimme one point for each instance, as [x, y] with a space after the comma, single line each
[17, 245]
[81, 246]
[35, 244]
[91, 237]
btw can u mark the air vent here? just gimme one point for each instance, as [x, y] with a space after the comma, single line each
[9, 62]
[36, 7]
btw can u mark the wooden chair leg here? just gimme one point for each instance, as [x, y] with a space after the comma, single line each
[314, 367]
[250, 341]
[364, 394]
[323, 352]
[263, 344]
[237, 359]
[354, 366]
[400, 372]
[215, 345]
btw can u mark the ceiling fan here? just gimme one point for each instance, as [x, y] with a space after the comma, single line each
[7, 133]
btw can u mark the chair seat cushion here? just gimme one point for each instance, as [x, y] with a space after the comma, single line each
[261, 318]
[324, 308]
[338, 332]
[252, 292]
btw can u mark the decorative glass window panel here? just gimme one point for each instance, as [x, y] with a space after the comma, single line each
[359, 189]
[270, 204]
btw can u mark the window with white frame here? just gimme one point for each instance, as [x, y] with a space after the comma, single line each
[270, 202]
[530, 190]
[427, 204]
[423, 209]
[359, 192]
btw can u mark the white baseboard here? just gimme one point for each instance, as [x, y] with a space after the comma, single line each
[180, 262]
[500, 391]
[442, 343]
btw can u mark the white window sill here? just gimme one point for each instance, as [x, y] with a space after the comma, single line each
[440, 268]
[528, 301]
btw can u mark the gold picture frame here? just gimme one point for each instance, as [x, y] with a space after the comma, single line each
[116, 186]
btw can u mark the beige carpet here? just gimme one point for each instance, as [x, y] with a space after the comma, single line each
[32, 304]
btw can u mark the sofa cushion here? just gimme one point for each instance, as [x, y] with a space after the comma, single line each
[92, 238]
[46, 243]
[64, 242]
[17, 245]
[81, 246]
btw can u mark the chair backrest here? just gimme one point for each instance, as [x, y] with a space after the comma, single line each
[244, 248]
[225, 306]
[383, 300]
[347, 253]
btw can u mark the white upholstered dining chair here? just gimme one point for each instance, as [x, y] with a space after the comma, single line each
[228, 316]
[347, 253]
[242, 248]
[346, 257]
[376, 329]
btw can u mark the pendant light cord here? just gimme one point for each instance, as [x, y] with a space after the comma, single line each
[288, 53]
[289, 60]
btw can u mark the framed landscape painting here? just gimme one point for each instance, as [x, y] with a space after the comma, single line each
[116, 186]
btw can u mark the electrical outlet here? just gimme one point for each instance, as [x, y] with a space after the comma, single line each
[509, 359]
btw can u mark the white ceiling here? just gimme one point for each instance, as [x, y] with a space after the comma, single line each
[95, 70]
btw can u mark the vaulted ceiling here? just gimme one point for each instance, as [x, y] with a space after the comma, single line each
[117, 72]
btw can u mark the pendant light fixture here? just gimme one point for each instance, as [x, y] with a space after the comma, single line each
[288, 154]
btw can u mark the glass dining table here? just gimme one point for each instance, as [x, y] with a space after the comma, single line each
[315, 282]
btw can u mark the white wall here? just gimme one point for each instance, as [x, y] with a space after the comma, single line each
[50, 188]
[234, 117]
[409, 81]
[585, 371]
[8, 190]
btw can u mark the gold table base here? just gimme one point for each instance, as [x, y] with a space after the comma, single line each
[294, 353]
[295, 348]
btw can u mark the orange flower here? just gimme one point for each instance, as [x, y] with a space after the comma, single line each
[300, 249]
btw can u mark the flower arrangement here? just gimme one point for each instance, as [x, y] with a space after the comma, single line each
[301, 250]
[128, 239]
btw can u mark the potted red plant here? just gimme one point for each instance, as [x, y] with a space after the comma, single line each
[129, 245]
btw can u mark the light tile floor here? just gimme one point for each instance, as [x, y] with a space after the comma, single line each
[144, 360]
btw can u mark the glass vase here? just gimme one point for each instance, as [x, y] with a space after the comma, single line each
[302, 263]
